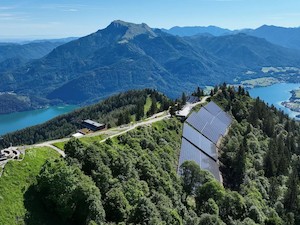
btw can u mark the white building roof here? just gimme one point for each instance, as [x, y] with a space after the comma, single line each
[96, 124]
[77, 135]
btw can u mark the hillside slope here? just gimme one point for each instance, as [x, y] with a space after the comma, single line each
[132, 178]
[115, 110]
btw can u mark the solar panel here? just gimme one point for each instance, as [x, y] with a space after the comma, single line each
[225, 118]
[210, 165]
[213, 108]
[218, 125]
[205, 115]
[211, 133]
[196, 121]
[200, 141]
[200, 136]
[191, 153]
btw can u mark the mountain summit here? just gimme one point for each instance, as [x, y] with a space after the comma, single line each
[131, 30]
[126, 56]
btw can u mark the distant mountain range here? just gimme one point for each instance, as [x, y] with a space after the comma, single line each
[127, 56]
[32, 50]
[197, 30]
[286, 37]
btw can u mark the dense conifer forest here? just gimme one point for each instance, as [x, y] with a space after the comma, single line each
[260, 158]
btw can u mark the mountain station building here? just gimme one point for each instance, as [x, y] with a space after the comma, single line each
[92, 125]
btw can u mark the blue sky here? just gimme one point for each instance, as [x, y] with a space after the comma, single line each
[61, 18]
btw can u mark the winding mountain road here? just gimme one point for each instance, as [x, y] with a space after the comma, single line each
[119, 130]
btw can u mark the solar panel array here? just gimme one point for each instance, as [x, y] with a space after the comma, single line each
[201, 133]
[215, 110]
[200, 141]
[191, 153]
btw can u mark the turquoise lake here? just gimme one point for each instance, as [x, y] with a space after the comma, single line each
[275, 94]
[16, 121]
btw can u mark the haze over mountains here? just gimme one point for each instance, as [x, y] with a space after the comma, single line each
[30, 50]
[126, 56]
[286, 37]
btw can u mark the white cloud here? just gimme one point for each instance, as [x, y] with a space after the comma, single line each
[7, 16]
[6, 7]
[13, 17]
[62, 6]
[70, 10]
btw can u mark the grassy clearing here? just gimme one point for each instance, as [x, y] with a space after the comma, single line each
[15, 181]
[147, 105]
[296, 93]
[94, 138]
[198, 107]
[133, 118]
[260, 82]
[158, 104]
[60, 145]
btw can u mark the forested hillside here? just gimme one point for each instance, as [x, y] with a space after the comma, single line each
[260, 159]
[116, 110]
[133, 178]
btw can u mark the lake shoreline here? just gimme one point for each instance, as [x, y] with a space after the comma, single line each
[292, 103]
[19, 120]
[277, 94]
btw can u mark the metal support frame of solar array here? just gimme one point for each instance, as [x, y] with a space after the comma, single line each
[201, 133]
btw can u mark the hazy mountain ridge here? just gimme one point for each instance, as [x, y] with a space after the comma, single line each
[247, 51]
[284, 36]
[195, 30]
[32, 50]
[127, 56]
[287, 37]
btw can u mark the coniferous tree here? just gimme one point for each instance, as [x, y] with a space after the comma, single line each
[240, 90]
[139, 111]
[240, 164]
[268, 125]
[183, 98]
[127, 117]
[199, 93]
[153, 107]
[283, 156]
[291, 199]
[216, 88]
[172, 110]
[270, 162]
